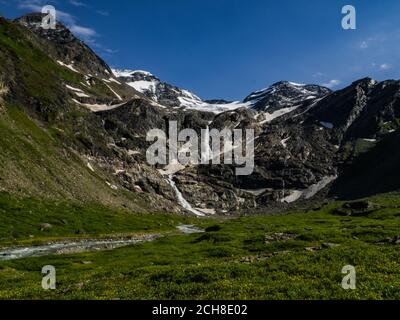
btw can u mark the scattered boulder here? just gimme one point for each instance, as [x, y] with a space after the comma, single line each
[279, 237]
[359, 205]
[356, 209]
[45, 226]
[329, 245]
[326, 245]
[395, 240]
[312, 249]
[213, 228]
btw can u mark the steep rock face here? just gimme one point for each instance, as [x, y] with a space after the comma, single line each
[170, 95]
[149, 85]
[367, 109]
[280, 96]
[156, 89]
[284, 94]
[381, 112]
[365, 124]
[66, 48]
[341, 109]
[372, 171]
[61, 148]
[305, 135]
[312, 136]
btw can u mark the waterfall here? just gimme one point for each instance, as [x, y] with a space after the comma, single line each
[181, 200]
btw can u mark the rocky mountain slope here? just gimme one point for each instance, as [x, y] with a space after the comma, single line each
[72, 127]
[66, 48]
[284, 94]
[277, 98]
[170, 95]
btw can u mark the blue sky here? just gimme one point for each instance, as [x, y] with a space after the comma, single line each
[229, 48]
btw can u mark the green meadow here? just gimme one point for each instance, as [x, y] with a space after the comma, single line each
[295, 255]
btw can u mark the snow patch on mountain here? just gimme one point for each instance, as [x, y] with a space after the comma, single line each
[128, 73]
[268, 117]
[309, 192]
[98, 107]
[144, 87]
[284, 94]
[68, 66]
[172, 96]
[270, 103]
[78, 92]
[115, 93]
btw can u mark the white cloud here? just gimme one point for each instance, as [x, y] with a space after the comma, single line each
[103, 13]
[77, 3]
[111, 51]
[318, 75]
[66, 17]
[385, 66]
[34, 5]
[83, 31]
[332, 83]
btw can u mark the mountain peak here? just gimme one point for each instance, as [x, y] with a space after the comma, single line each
[365, 81]
[125, 73]
[33, 21]
[170, 95]
[285, 93]
[62, 45]
[288, 83]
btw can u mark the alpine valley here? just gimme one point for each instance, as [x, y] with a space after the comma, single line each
[323, 194]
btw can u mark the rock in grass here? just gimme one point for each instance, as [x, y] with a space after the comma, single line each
[281, 236]
[312, 249]
[359, 205]
[356, 209]
[329, 245]
[394, 240]
[45, 226]
[213, 228]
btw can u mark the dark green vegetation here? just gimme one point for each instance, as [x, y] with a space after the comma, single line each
[44, 136]
[49, 192]
[295, 256]
[22, 220]
[34, 163]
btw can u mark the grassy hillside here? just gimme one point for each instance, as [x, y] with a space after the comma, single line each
[34, 163]
[22, 220]
[294, 256]
[44, 135]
